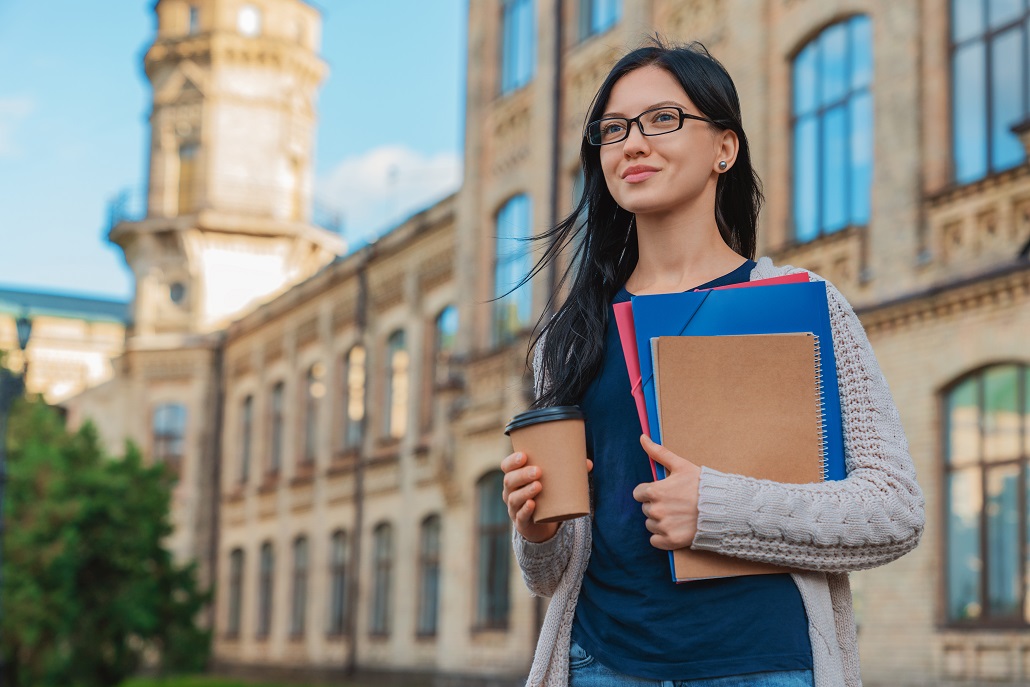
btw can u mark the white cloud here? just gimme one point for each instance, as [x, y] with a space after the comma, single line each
[377, 190]
[12, 111]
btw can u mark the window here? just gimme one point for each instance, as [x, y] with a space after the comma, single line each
[597, 16]
[246, 437]
[314, 390]
[235, 592]
[300, 587]
[169, 432]
[275, 456]
[382, 574]
[833, 130]
[396, 406]
[248, 21]
[338, 558]
[354, 397]
[987, 488]
[194, 20]
[518, 44]
[989, 85]
[445, 338]
[494, 551]
[187, 177]
[429, 576]
[265, 590]
[513, 262]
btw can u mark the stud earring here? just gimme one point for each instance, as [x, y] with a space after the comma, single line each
[722, 165]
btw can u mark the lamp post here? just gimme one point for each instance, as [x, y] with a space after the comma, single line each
[12, 386]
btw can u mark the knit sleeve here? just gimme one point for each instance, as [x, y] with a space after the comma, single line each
[873, 516]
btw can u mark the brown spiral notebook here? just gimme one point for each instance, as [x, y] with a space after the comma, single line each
[747, 405]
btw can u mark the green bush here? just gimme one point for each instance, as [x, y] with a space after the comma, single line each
[88, 586]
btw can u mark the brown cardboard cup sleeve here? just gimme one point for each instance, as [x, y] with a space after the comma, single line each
[554, 439]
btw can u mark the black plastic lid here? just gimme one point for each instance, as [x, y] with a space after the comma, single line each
[533, 417]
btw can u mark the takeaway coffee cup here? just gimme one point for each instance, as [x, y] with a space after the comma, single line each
[554, 439]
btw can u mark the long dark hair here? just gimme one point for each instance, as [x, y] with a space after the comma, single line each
[573, 347]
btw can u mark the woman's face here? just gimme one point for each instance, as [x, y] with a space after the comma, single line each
[658, 174]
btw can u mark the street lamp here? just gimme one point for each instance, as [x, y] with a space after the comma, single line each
[12, 386]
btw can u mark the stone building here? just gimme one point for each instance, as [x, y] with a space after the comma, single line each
[339, 433]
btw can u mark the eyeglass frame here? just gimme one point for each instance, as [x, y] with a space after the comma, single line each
[629, 124]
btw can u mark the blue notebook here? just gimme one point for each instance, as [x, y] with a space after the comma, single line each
[780, 309]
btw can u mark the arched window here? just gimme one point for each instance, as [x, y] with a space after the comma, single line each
[339, 555]
[597, 16]
[188, 176]
[300, 587]
[382, 578]
[248, 21]
[266, 589]
[513, 261]
[445, 339]
[314, 391]
[494, 551]
[987, 444]
[235, 592]
[989, 85]
[833, 130]
[518, 44]
[246, 437]
[275, 454]
[354, 397]
[169, 434]
[397, 384]
[429, 575]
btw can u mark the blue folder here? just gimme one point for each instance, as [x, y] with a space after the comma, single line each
[779, 309]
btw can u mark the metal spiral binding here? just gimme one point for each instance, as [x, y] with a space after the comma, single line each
[821, 408]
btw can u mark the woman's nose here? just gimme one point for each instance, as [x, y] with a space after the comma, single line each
[636, 141]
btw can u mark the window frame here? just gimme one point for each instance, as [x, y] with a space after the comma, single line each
[299, 587]
[512, 43]
[336, 625]
[169, 424]
[587, 12]
[246, 437]
[234, 610]
[354, 428]
[395, 412]
[266, 591]
[982, 467]
[277, 427]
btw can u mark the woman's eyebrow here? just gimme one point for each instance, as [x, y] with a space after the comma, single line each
[664, 103]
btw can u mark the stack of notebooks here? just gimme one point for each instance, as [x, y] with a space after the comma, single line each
[739, 379]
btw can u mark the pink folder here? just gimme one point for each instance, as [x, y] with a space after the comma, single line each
[627, 335]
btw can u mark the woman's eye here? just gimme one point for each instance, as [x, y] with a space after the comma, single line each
[663, 117]
[611, 129]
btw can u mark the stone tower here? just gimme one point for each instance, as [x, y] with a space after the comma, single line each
[228, 203]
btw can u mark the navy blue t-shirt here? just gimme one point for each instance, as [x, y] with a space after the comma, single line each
[631, 616]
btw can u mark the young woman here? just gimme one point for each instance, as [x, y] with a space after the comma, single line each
[671, 203]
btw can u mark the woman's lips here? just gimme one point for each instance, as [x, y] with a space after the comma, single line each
[637, 177]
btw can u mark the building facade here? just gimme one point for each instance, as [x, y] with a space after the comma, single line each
[352, 419]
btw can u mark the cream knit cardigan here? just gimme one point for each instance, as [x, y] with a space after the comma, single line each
[870, 518]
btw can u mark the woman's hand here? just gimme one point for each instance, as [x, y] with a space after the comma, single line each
[521, 484]
[670, 504]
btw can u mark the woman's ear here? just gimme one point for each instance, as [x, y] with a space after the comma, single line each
[727, 145]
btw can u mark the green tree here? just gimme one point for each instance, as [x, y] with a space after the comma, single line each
[89, 589]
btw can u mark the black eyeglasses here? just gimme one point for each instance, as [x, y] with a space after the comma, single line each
[660, 120]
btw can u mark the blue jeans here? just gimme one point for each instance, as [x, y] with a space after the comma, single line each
[585, 671]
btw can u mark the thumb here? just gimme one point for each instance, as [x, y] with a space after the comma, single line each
[662, 455]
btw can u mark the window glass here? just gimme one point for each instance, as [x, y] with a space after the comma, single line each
[169, 432]
[265, 590]
[355, 397]
[985, 468]
[276, 453]
[989, 85]
[494, 551]
[300, 587]
[397, 385]
[512, 312]
[246, 436]
[339, 554]
[833, 130]
[518, 44]
[235, 591]
[382, 549]
[429, 587]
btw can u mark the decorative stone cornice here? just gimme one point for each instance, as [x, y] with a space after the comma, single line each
[1007, 285]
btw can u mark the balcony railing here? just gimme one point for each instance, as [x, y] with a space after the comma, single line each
[131, 205]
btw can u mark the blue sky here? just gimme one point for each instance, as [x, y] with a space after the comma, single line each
[74, 102]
